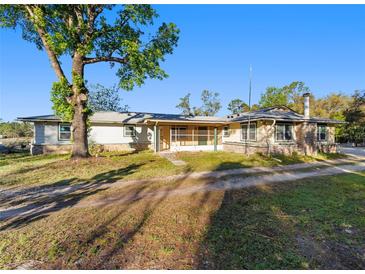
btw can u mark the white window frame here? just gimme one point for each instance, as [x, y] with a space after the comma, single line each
[59, 131]
[292, 132]
[226, 131]
[125, 131]
[319, 134]
[252, 124]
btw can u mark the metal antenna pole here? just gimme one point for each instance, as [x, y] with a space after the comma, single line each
[249, 89]
[249, 103]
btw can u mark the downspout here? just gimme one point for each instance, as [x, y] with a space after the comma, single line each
[268, 136]
[156, 137]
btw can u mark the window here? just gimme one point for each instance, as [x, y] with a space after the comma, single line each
[321, 133]
[284, 132]
[245, 133]
[64, 132]
[226, 131]
[129, 130]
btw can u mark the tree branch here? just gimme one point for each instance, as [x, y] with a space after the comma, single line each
[104, 59]
[93, 12]
[51, 55]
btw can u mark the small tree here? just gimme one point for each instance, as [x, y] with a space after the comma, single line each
[105, 99]
[237, 106]
[289, 95]
[273, 97]
[211, 104]
[184, 105]
[83, 33]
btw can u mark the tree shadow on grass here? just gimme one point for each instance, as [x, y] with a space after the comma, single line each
[38, 202]
[256, 228]
[113, 255]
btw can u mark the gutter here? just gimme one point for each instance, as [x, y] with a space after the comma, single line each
[185, 122]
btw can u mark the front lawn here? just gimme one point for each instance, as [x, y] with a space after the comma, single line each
[24, 170]
[201, 161]
[308, 224]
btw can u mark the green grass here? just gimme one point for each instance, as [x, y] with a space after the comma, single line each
[59, 169]
[307, 224]
[201, 161]
[22, 169]
[295, 225]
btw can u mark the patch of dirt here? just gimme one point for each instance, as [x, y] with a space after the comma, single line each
[331, 254]
[27, 265]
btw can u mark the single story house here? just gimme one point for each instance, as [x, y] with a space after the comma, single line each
[269, 130]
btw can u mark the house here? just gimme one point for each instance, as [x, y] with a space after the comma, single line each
[270, 130]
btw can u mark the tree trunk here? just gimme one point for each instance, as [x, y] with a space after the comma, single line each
[79, 100]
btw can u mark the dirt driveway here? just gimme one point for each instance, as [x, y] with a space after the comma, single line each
[24, 204]
[353, 151]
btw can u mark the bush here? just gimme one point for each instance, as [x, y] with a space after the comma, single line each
[15, 130]
[95, 149]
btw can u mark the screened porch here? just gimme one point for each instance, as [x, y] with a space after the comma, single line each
[190, 137]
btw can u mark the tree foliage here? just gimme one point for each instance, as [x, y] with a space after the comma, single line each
[289, 95]
[332, 106]
[105, 99]
[210, 104]
[355, 116]
[60, 94]
[67, 29]
[184, 105]
[84, 33]
[237, 106]
[15, 129]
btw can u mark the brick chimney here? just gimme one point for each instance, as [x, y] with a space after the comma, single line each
[306, 105]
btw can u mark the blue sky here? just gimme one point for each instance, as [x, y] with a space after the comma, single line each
[322, 45]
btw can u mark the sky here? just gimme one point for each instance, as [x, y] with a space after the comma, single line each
[321, 45]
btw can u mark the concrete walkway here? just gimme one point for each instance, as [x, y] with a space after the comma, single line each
[171, 156]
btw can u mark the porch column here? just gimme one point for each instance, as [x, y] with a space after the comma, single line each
[193, 135]
[215, 139]
[156, 135]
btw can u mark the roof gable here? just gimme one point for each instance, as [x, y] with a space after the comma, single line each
[274, 112]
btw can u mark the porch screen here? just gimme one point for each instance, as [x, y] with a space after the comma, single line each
[179, 134]
[194, 135]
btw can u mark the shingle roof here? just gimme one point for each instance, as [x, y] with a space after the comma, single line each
[39, 118]
[280, 113]
[130, 117]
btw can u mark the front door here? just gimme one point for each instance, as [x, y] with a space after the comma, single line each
[202, 136]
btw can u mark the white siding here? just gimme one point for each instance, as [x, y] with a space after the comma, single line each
[47, 133]
[114, 134]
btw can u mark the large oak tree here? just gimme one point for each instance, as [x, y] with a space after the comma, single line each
[88, 36]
